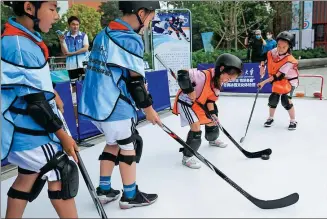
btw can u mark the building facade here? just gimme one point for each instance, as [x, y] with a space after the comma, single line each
[319, 21]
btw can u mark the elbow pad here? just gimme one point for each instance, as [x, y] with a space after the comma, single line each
[136, 88]
[41, 112]
[281, 77]
[184, 81]
[215, 110]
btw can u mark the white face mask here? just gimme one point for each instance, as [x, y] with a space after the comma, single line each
[269, 36]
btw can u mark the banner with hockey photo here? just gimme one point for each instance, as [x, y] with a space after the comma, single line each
[171, 42]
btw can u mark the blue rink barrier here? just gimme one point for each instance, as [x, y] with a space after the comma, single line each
[159, 89]
[247, 82]
[63, 89]
[4, 162]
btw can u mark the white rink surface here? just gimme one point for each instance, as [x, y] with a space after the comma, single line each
[297, 164]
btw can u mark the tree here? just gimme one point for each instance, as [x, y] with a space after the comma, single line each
[228, 20]
[109, 11]
[282, 19]
[89, 17]
[6, 13]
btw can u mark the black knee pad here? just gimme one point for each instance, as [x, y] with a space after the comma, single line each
[69, 179]
[194, 141]
[285, 102]
[137, 141]
[273, 100]
[211, 133]
[109, 157]
[15, 194]
[128, 159]
[28, 196]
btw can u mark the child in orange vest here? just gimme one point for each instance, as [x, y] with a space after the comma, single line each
[283, 72]
[203, 87]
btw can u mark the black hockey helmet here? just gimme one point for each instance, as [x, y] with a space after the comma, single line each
[134, 6]
[228, 61]
[287, 36]
[18, 8]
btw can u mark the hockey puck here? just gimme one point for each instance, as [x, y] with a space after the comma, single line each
[265, 157]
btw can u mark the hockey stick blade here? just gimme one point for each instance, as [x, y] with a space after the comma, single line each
[278, 203]
[263, 204]
[248, 154]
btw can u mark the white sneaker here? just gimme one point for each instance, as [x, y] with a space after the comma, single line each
[218, 143]
[191, 162]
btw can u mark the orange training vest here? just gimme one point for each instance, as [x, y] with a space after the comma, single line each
[283, 86]
[206, 94]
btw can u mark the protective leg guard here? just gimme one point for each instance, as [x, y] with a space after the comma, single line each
[273, 100]
[194, 141]
[109, 157]
[69, 178]
[13, 193]
[129, 159]
[28, 196]
[138, 144]
[285, 102]
[211, 133]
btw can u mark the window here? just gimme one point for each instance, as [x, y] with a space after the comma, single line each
[319, 32]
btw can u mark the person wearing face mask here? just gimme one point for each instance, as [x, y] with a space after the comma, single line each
[256, 45]
[283, 74]
[270, 43]
[113, 89]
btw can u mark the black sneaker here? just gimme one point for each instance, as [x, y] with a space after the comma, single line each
[107, 196]
[269, 122]
[140, 199]
[292, 126]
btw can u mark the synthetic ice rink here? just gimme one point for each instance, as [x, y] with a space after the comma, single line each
[297, 164]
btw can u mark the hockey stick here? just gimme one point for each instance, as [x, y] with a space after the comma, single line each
[90, 187]
[255, 100]
[248, 154]
[263, 204]
[247, 127]
[85, 175]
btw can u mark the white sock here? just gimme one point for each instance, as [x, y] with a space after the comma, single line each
[293, 120]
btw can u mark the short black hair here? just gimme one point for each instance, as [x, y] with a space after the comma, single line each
[73, 18]
[18, 6]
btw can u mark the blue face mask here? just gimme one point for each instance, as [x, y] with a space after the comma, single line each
[257, 36]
